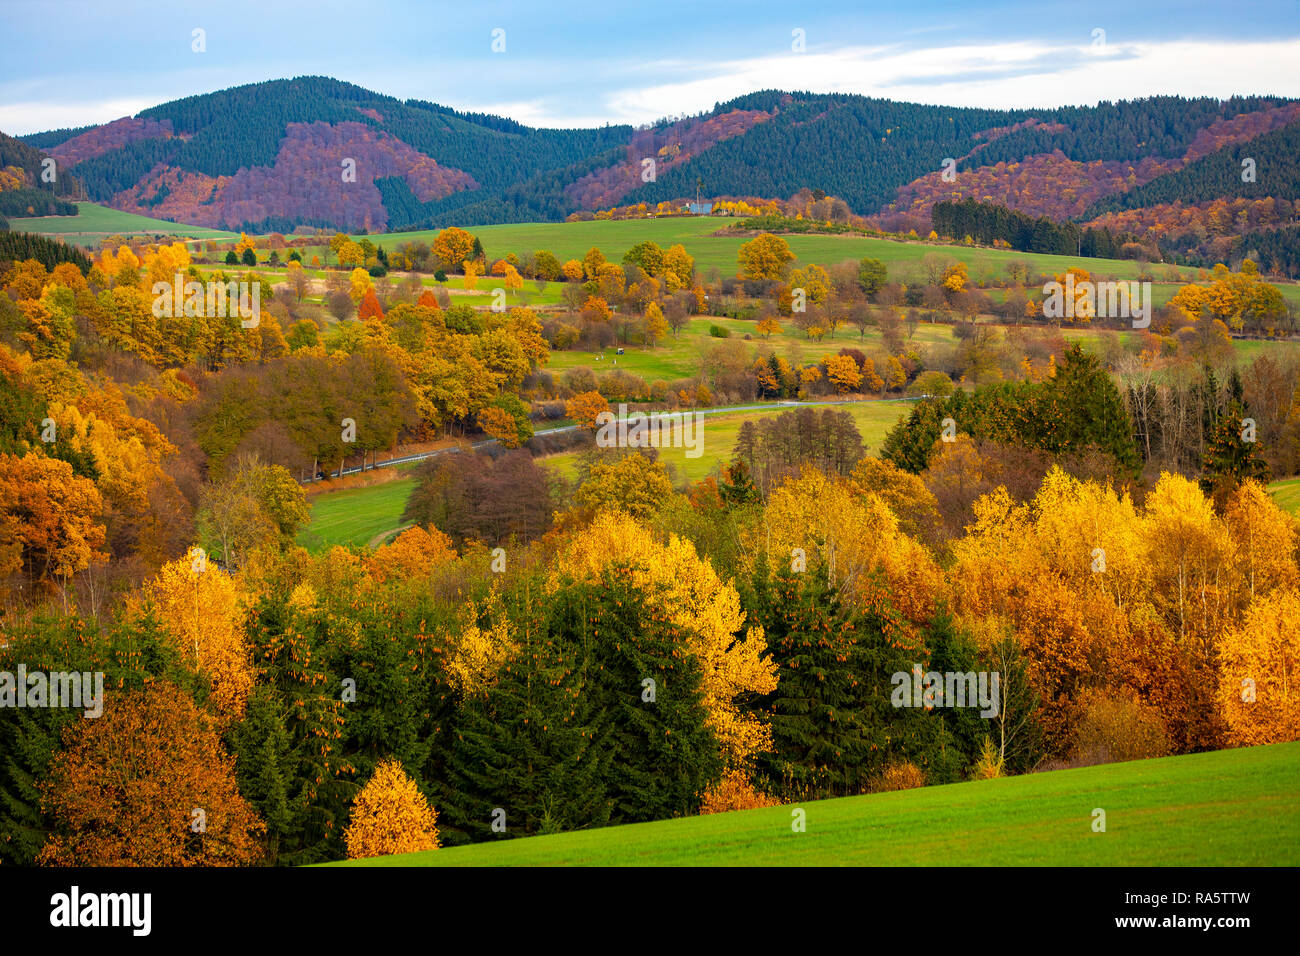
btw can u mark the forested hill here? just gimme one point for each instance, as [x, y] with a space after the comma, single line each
[30, 186]
[317, 151]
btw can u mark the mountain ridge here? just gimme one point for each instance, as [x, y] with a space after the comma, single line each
[273, 156]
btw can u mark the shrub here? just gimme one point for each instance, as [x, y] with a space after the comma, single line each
[734, 792]
[718, 332]
[989, 764]
[1115, 726]
[899, 776]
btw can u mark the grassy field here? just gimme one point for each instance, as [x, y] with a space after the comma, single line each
[1287, 494]
[719, 433]
[678, 357]
[93, 222]
[355, 515]
[570, 240]
[1228, 808]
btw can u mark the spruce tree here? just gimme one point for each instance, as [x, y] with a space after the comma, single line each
[531, 745]
[822, 730]
[1231, 455]
[665, 755]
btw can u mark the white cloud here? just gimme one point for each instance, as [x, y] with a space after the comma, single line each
[1007, 76]
[18, 119]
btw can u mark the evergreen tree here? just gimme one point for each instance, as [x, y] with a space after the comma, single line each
[1232, 455]
[264, 767]
[532, 745]
[666, 755]
[1080, 407]
[736, 486]
[822, 729]
[570, 735]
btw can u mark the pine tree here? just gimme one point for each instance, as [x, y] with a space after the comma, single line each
[533, 745]
[1232, 455]
[822, 730]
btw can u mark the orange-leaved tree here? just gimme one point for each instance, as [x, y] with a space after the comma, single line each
[1259, 673]
[147, 784]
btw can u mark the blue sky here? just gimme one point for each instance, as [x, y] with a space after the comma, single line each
[73, 62]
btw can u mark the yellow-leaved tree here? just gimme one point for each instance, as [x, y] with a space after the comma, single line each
[198, 605]
[697, 601]
[390, 815]
[483, 644]
[853, 534]
[1259, 673]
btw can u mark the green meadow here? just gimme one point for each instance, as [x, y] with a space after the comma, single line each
[355, 516]
[1225, 808]
[1287, 494]
[718, 437]
[94, 222]
[571, 240]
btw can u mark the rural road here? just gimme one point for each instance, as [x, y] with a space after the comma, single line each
[726, 410]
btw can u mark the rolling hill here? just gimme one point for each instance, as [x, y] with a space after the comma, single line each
[1226, 808]
[320, 152]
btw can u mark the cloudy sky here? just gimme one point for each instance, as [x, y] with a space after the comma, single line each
[75, 62]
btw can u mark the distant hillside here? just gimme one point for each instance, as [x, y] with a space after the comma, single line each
[25, 190]
[279, 154]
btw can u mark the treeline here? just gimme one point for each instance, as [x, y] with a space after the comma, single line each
[32, 201]
[20, 246]
[54, 137]
[990, 222]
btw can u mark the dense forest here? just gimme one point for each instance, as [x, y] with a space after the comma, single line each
[988, 223]
[233, 151]
[1262, 167]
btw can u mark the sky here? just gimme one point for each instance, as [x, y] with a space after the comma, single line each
[70, 63]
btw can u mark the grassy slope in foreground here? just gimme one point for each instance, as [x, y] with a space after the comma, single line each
[1227, 808]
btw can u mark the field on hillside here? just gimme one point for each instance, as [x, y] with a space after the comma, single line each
[94, 222]
[1226, 808]
[570, 240]
[718, 436]
[1287, 494]
[356, 515]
